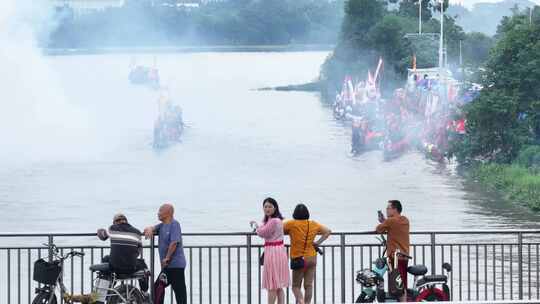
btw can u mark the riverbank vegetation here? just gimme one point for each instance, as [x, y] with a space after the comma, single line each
[518, 182]
[502, 143]
[235, 22]
[505, 118]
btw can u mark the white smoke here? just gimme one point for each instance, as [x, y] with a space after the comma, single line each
[35, 115]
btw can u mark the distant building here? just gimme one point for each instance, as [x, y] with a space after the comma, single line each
[178, 4]
[188, 4]
[84, 5]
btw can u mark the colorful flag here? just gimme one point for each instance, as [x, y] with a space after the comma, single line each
[379, 66]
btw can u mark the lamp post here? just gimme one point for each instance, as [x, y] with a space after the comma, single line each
[442, 72]
[441, 38]
[420, 17]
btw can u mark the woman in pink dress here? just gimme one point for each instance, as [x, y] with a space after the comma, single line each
[275, 271]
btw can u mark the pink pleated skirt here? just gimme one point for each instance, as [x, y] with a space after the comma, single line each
[276, 268]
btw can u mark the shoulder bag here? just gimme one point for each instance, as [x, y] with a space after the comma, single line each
[299, 262]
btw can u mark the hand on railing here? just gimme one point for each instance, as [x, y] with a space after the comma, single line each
[149, 232]
[317, 248]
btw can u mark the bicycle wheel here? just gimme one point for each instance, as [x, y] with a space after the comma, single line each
[44, 298]
[126, 294]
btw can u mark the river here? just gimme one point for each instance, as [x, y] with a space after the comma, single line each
[240, 146]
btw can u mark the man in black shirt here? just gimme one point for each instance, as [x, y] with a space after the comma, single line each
[126, 245]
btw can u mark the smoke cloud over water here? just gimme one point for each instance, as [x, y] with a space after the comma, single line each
[36, 118]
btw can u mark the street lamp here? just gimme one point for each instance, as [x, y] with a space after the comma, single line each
[441, 36]
[442, 72]
[420, 17]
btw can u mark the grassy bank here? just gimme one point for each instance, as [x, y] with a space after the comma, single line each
[517, 183]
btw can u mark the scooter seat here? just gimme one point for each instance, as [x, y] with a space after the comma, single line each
[103, 267]
[438, 278]
[417, 270]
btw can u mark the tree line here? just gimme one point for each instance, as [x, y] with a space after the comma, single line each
[233, 22]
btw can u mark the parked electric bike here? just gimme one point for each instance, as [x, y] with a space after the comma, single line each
[109, 287]
[426, 288]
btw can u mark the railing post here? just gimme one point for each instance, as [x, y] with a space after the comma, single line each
[520, 264]
[432, 236]
[50, 243]
[248, 257]
[152, 266]
[342, 253]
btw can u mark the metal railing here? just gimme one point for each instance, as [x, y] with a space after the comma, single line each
[223, 267]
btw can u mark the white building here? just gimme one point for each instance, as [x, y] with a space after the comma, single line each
[83, 5]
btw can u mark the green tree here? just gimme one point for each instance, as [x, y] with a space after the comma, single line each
[475, 48]
[506, 116]
[360, 17]
[139, 23]
[409, 8]
[386, 37]
[353, 53]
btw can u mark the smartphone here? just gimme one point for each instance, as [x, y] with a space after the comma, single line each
[381, 215]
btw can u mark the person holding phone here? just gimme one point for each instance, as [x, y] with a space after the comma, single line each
[398, 229]
[275, 272]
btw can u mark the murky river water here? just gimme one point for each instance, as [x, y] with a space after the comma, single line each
[240, 146]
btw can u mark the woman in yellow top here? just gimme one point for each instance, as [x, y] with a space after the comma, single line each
[302, 233]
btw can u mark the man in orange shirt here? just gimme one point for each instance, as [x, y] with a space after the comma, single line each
[397, 228]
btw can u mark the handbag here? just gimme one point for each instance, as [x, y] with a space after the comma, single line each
[395, 284]
[299, 262]
[159, 288]
[396, 287]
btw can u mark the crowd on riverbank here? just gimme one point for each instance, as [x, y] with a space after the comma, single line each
[419, 115]
[416, 117]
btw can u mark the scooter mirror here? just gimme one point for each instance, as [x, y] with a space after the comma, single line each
[380, 263]
[447, 267]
